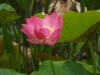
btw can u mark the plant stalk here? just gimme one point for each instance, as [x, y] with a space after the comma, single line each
[51, 62]
[92, 56]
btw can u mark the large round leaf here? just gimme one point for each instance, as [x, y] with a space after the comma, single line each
[45, 68]
[80, 26]
[72, 68]
[65, 68]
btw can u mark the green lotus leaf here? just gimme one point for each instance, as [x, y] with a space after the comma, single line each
[7, 13]
[73, 68]
[4, 71]
[7, 7]
[45, 68]
[80, 26]
[39, 15]
[65, 68]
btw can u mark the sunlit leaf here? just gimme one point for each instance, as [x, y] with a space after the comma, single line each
[98, 10]
[39, 15]
[80, 26]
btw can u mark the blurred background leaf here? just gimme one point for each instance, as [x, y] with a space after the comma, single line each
[6, 16]
[6, 7]
[9, 72]
[7, 13]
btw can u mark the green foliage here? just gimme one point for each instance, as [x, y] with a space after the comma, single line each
[44, 56]
[6, 16]
[6, 7]
[65, 68]
[92, 4]
[6, 39]
[88, 67]
[1, 46]
[7, 13]
[9, 72]
[78, 48]
[36, 73]
[4, 60]
[47, 3]
[45, 68]
[77, 27]
[39, 15]
[98, 10]
[71, 68]
[80, 26]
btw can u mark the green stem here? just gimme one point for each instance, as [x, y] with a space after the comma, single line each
[71, 51]
[92, 57]
[33, 59]
[51, 62]
[19, 46]
[32, 6]
[12, 49]
[15, 32]
[10, 61]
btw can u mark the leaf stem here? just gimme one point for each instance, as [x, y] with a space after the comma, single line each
[51, 62]
[92, 57]
[33, 59]
[71, 51]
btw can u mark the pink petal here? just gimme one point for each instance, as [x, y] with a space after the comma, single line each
[34, 21]
[53, 20]
[30, 21]
[46, 21]
[55, 34]
[28, 29]
[54, 15]
[35, 41]
[57, 24]
[38, 34]
[45, 31]
[27, 33]
[51, 42]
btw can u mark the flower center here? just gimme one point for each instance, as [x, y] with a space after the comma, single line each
[50, 29]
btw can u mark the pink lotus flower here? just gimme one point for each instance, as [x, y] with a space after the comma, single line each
[43, 31]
